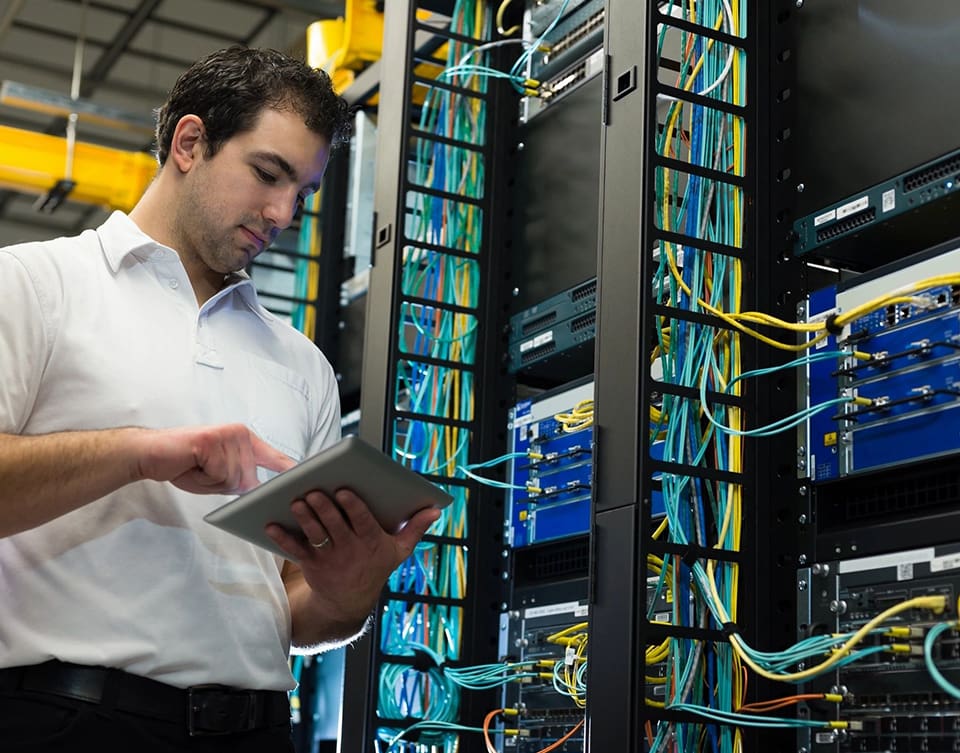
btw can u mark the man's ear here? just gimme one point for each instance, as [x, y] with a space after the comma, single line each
[186, 146]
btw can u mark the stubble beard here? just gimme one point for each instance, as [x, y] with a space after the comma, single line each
[204, 239]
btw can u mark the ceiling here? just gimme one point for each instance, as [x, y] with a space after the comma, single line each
[132, 52]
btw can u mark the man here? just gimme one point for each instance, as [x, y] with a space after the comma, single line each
[138, 372]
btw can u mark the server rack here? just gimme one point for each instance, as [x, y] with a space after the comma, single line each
[624, 473]
[408, 43]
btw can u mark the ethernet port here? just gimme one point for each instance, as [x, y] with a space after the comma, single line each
[891, 317]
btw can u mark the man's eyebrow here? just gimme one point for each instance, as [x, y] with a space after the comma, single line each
[287, 168]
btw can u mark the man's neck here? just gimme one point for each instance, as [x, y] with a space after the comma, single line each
[153, 216]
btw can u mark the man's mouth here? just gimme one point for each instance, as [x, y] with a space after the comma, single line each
[258, 239]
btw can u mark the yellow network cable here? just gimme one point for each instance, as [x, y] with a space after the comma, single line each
[578, 419]
[500, 11]
[660, 529]
[936, 604]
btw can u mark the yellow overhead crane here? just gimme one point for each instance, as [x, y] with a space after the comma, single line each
[344, 46]
[34, 163]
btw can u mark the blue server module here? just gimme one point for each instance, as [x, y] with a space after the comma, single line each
[553, 479]
[900, 363]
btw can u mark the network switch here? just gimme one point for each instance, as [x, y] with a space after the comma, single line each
[865, 215]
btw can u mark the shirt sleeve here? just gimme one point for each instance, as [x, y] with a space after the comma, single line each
[327, 430]
[23, 343]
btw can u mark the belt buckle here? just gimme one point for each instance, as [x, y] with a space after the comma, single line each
[216, 710]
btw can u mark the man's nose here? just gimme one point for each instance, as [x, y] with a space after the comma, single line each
[280, 209]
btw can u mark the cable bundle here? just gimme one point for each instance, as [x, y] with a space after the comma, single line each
[435, 628]
[435, 381]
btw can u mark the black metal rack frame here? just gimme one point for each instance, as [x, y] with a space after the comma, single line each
[405, 40]
[623, 476]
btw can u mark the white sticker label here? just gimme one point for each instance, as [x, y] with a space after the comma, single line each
[825, 217]
[545, 611]
[536, 342]
[523, 421]
[851, 207]
[581, 611]
[822, 317]
[945, 562]
[865, 564]
[888, 201]
[905, 571]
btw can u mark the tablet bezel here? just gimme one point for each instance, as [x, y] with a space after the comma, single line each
[392, 492]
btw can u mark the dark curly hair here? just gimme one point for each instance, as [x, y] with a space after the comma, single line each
[229, 88]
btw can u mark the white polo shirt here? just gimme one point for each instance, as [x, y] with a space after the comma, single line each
[103, 330]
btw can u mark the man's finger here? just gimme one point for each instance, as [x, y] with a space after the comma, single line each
[269, 457]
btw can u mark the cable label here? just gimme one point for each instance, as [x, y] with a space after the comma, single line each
[825, 217]
[568, 606]
[888, 200]
[945, 562]
[852, 207]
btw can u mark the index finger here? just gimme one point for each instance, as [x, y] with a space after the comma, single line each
[269, 457]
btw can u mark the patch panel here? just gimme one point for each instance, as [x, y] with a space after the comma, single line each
[570, 340]
[935, 182]
[891, 702]
[579, 31]
[580, 299]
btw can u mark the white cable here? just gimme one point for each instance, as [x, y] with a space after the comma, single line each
[726, 68]
[487, 46]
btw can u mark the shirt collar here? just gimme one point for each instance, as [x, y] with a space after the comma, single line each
[120, 237]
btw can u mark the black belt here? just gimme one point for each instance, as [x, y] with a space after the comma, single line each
[203, 709]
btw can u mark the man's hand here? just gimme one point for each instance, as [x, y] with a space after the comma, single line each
[344, 559]
[208, 460]
[45, 476]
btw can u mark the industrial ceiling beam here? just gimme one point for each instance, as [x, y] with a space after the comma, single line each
[104, 64]
[319, 8]
[7, 21]
[172, 23]
[154, 57]
[137, 91]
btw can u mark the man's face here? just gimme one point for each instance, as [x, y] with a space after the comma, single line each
[234, 204]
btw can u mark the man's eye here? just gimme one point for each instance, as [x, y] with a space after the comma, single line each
[265, 176]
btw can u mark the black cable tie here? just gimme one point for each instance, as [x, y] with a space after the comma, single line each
[422, 661]
[689, 557]
[411, 735]
[729, 628]
[831, 324]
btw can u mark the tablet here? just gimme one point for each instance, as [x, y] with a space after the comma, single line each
[392, 492]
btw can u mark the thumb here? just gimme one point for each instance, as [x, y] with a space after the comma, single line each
[413, 531]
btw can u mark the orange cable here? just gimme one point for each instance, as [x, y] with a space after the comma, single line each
[778, 703]
[562, 740]
[486, 729]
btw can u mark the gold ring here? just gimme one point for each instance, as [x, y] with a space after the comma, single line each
[322, 544]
